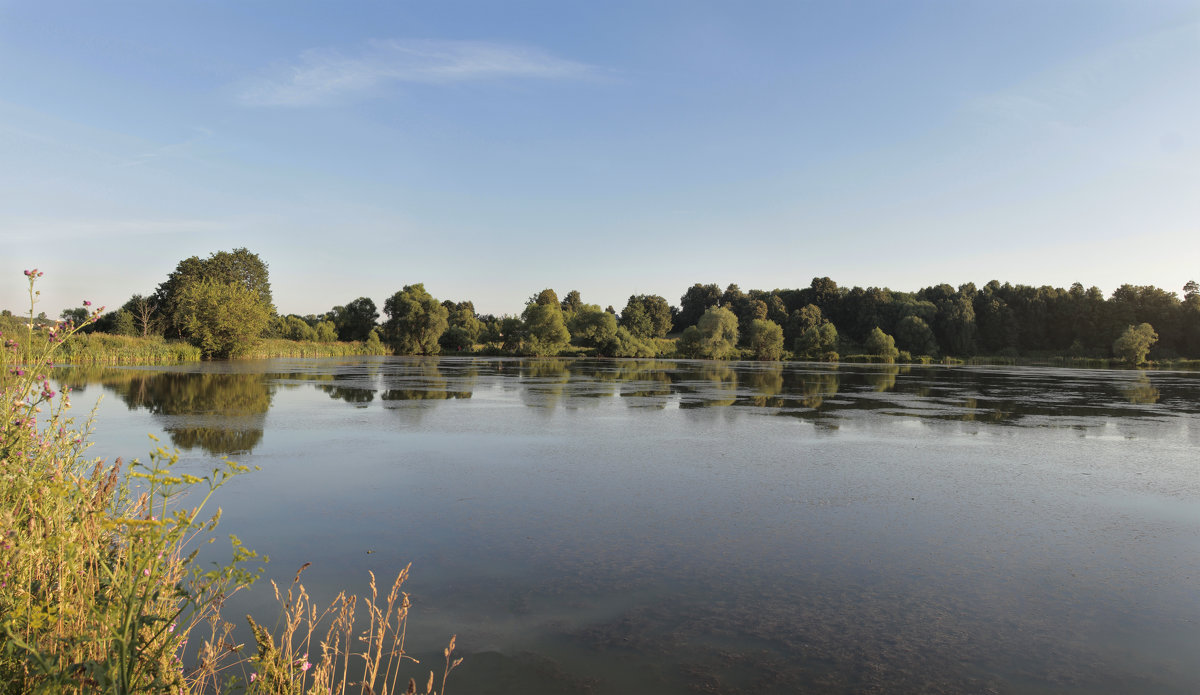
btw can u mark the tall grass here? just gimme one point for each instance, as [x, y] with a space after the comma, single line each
[100, 588]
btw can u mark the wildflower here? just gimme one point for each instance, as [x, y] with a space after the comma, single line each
[86, 303]
[146, 572]
[253, 676]
[172, 628]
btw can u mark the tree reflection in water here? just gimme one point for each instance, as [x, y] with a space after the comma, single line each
[221, 414]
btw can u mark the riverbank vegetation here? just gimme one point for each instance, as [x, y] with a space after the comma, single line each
[102, 589]
[221, 307]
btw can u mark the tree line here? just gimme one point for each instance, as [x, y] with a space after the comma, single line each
[223, 304]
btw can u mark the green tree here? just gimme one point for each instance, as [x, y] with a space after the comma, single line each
[572, 303]
[355, 320]
[123, 323]
[326, 332]
[882, 344]
[223, 319]
[239, 266]
[800, 320]
[817, 342]
[545, 332]
[464, 327]
[915, 336]
[647, 316]
[713, 337]
[591, 326]
[1134, 344]
[695, 302]
[77, 316]
[625, 344]
[765, 340]
[415, 321]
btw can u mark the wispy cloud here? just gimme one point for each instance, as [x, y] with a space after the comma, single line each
[323, 75]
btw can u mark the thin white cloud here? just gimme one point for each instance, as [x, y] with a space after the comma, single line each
[322, 75]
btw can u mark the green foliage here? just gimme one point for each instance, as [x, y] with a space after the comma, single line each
[572, 303]
[765, 340]
[800, 320]
[695, 302]
[591, 326]
[714, 337]
[326, 332]
[882, 345]
[292, 327]
[625, 344]
[817, 343]
[1134, 344]
[464, 329]
[647, 316]
[916, 337]
[239, 267]
[543, 332]
[415, 321]
[355, 320]
[123, 323]
[223, 319]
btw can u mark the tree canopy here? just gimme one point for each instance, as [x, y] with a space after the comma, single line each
[1134, 343]
[415, 321]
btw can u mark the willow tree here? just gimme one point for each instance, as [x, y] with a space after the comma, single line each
[544, 331]
[415, 321]
[223, 319]
[713, 337]
[1134, 344]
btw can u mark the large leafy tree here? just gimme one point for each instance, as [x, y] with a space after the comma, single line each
[544, 331]
[915, 336]
[592, 326]
[240, 267]
[1134, 343]
[765, 340]
[882, 345]
[647, 316]
[695, 302]
[223, 319]
[415, 321]
[713, 337]
[355, 320]
[818, 342]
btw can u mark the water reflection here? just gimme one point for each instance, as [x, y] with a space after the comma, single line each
[221, 408]
[222, 414]
[707, 385]
[1141, 391]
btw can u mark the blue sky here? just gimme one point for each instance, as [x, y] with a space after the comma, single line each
[492, 149]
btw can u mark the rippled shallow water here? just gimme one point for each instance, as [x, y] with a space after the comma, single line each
[692, 527]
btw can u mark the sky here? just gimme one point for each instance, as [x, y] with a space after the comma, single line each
[493, 149]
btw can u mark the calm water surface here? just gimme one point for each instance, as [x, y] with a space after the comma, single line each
[690, 527]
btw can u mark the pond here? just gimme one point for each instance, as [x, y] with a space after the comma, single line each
[696, 527]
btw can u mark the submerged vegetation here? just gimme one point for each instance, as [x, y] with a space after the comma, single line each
[221, 307]
[101, 585]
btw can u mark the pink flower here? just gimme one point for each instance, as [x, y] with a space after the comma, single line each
[253, 676]
[86, 303]
[306, 666]
[146, 571]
